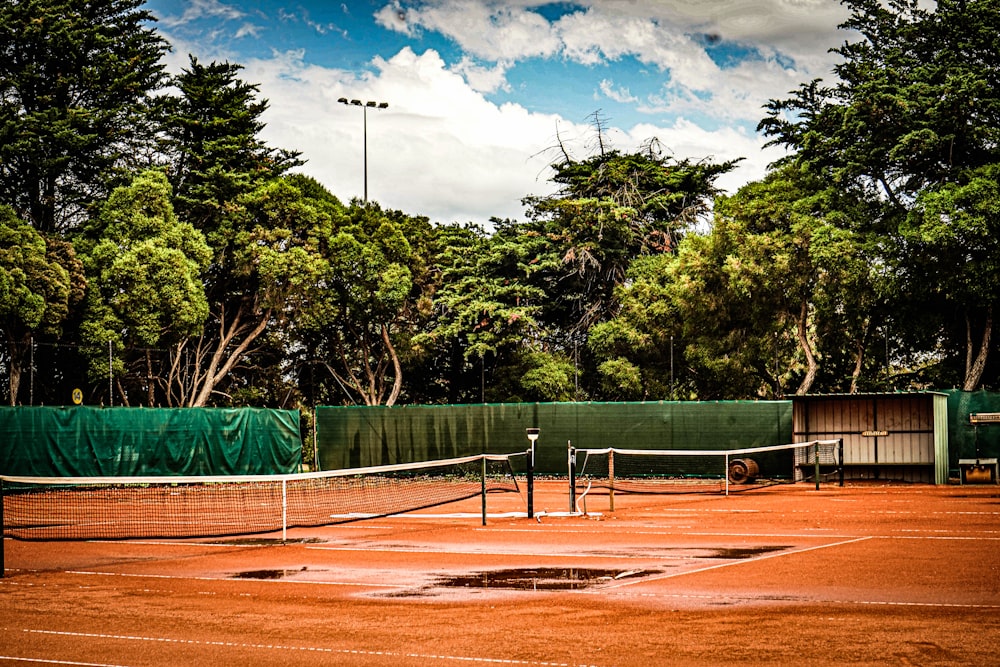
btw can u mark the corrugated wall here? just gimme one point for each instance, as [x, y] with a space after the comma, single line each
[886, 436]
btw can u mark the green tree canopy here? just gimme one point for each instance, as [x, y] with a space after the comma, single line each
[40, 282]
[145, 288]
[76, 85]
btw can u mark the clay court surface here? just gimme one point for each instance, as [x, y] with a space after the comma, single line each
[864, 574]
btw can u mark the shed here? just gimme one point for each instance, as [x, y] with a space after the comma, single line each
[888, 436]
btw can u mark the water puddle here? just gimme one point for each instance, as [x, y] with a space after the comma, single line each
[267, 574]
[541, 579]
[739, 553]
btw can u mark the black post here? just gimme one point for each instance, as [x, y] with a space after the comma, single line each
[532, 434]
[531, 482]
[571, 461]
[483, 488]
[840, 459]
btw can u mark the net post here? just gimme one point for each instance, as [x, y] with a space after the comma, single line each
[725, 473]
[571, 462]
[816, 463]
[284, 511]
[482, 486]
[611, 480]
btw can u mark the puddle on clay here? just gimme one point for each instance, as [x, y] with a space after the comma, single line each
[541, 579]
[740, 553]
[267, 541]
[266, 574]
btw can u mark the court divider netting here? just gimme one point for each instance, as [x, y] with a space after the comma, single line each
[613, 470]
[83, 508]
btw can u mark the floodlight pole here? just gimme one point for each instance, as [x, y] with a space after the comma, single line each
[532, 434]
[364, 114]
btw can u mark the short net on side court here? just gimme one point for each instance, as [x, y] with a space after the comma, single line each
[63, 508]
[612, 470]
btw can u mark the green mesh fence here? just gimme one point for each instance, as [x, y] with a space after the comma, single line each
[968, 441]
[350, 437]
[116, 442]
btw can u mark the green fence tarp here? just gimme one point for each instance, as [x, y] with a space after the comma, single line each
[352, 437]
[968, 441]
[85, 441]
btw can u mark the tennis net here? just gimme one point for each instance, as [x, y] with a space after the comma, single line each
[612, 470]
[58, 508]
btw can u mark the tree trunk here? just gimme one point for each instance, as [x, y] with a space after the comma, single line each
[812, 366]
[397, 383]
[975, 363]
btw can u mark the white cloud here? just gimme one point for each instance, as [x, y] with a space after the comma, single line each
[621, 95]
[444, 150]
[199, 9]
[481, 78]
[492, 31]
[440, 148]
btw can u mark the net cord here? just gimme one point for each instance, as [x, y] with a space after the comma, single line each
[292, 477]
[578, 470]
[707, 452]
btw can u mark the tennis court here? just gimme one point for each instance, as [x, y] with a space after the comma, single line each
[866, 574]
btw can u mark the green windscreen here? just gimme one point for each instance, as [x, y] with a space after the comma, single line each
[115, 442]
[965, 439]
[351, 437]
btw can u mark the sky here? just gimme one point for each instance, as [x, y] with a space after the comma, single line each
[483, 95]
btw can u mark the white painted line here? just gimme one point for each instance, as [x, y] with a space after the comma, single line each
[233, 579]
[736, 562]
[44, 661]
[492, 552]
[310, 649]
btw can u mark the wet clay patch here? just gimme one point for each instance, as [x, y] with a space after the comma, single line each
[741, 553]
[540, 579]
[267, 574]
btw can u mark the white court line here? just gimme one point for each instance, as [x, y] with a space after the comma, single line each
[233, 579]
[737, 562]
[450, 552]
[307, 649]
[44, 661]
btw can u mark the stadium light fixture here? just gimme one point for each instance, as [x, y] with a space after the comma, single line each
[364, 112]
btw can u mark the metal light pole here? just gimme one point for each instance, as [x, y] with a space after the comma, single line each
[364, 111]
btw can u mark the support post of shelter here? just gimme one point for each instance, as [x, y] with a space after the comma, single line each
[3, 563]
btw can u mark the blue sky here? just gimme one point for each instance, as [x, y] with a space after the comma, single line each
[480, 91]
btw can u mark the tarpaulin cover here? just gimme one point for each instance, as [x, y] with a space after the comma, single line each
[966, 440]
[84, 441]
[350, 437]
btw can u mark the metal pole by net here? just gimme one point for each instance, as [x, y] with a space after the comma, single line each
[571, 462]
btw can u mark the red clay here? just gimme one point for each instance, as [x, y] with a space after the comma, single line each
[875, 575]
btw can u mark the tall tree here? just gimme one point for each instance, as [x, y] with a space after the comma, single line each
[913, 112]
[610, 209]
[227, 183]
[76, 85]
[40, 281]
[212, 138]
[145, 291]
